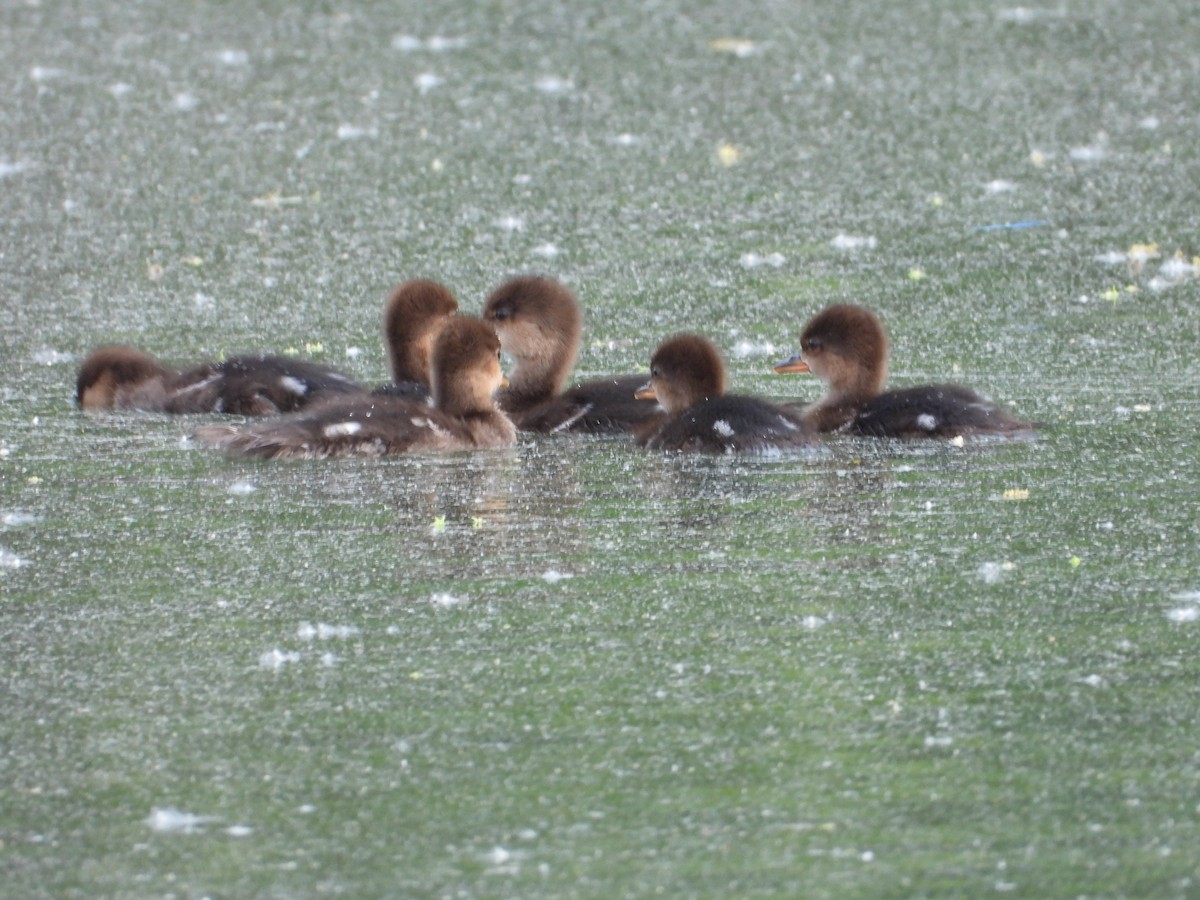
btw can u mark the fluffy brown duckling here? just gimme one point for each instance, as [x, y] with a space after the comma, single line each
[122, 377]
[466, 374]
[846, 347]
[687, 376]
[260, 385]
[539, 324]
[415, 312]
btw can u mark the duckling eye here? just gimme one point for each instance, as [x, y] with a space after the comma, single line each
[811, 344]
[501, 313]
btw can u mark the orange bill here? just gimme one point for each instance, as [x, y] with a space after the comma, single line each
[792, 364]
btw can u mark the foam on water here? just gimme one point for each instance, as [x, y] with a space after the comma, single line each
[753, 260]
[553, 85]
[233, 57]
[277, 659]
[408, 43]
[51, 357]
[18, 519]
[853, 242]
[8, 169]
[323, 632]
[1189, 610]
[427, 81]
[347, 132]
[10, 560]
[745, 348]
[241, 488]
[1090, 153]
[168, 819]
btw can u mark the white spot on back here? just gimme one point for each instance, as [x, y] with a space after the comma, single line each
[926, 421]
[723, 428]
[342, 429]
[294, 385]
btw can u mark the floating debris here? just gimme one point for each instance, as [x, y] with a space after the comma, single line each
[994, 572]
[427, 81]
[10, 560]
[233, 58]
[354, 133]
[853, 242]
[168, 819]
[1013, 226]
[44, 73]
[553, 85]
[1183, 614]
[437, 44]
[729, 155]
[323, 632]
[277, 659]
[753, 260]
[444, 600]
[1090, 153]
[999, 186]
[7, 170]
[739, 47]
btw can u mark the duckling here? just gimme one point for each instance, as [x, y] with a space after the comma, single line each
[539, 324]
[465, 367]
[122, 377]
[415, 312]
[846, 347]
[687, 376]
[260, 385]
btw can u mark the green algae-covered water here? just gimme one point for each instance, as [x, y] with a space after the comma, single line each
[573, 668]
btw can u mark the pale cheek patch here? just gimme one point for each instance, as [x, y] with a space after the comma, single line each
[342, 429]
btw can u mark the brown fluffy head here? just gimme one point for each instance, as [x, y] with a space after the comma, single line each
[111, 370]
[415, 311]
[539, 324]
[846, 346]
[684, 370]
[465, 370]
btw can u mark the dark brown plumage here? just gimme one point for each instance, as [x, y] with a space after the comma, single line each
[539, 324]
[687, 376]
[415, 312]
[466, 373]
[125, 378]
[846, 347]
